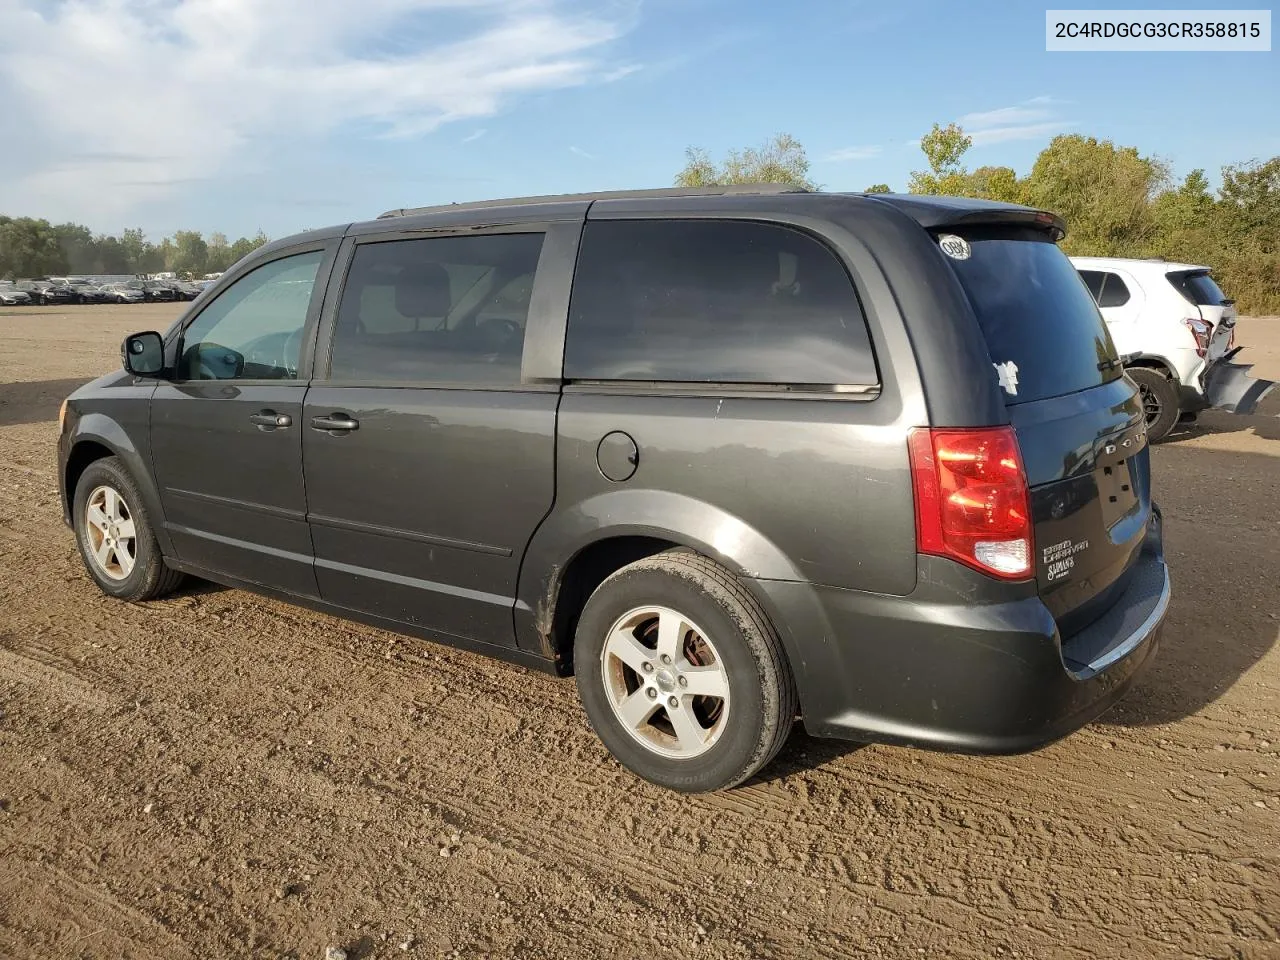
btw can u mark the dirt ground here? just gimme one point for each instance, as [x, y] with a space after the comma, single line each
[220, 775]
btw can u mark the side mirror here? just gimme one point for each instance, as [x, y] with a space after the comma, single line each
[143, 354]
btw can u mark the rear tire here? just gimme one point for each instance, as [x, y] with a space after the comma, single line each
[115, 536]
[1160, 402]
[718, 641]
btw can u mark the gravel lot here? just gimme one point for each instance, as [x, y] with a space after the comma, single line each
[220, 775]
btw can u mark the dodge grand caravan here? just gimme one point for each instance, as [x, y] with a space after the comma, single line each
[730, 457]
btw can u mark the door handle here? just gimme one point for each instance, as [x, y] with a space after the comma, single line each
[269, 418]
[335, 422]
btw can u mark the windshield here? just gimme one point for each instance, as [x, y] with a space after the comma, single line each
[1199, 288]
[1042, 326]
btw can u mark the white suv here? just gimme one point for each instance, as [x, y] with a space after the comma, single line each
[1175, 330]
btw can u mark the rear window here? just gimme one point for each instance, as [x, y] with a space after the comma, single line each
[713, 301]
[1199, 288]
[1043, 329]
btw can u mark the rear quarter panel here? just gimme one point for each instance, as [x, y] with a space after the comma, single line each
[777, 489]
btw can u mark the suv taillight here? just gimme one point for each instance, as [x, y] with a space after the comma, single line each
[1202, 330]
[971, 499]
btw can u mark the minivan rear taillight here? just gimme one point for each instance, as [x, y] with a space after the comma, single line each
[971, 499]
[1202, 330]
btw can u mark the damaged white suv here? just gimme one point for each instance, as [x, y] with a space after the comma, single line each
[1174, 329]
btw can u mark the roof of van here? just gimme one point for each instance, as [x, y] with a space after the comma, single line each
[928, 211]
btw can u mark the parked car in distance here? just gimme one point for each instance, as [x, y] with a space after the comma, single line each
[11, 296]
[158, 290]
[185, 290]
[89, 293]
[728, 456]
[31, 289]
[50, 293]
[1175, 329]
[127, 292]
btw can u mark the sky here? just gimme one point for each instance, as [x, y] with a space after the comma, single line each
[284, 115]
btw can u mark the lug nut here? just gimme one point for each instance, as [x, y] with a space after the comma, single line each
[672, 702]
[652, 693]
[683, 681]
[648, 667]
[666, 658]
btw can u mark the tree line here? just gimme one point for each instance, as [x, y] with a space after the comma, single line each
[37, 248]
[1116, 201]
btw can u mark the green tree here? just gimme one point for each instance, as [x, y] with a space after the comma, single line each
[135, 246]
[780, 159]
[219, 257]
[245, 246]
[29, 248]
[110, 257]
[1104, 192]
[997, 183]
[1251, 194]
[878, 188]
[190, 252]
[78, 246]
[1186, 208]
[944, 148]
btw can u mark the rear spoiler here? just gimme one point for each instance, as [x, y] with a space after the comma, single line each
[938, 213]
[1037, 219]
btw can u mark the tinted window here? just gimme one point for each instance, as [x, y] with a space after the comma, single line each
[1114, 292]
[713, 301]
[1093, 280]
[436, 310]
[253, 329]
[1199, 288]
[1037, 315]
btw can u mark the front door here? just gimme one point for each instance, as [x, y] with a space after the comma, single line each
[226, 430]
[429, 461]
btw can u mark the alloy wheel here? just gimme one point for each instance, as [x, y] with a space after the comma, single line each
[665, 681]
[1151, 406]
[113, 543]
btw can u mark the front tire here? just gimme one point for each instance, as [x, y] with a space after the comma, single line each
[114, 533]
[1160, 404]
[682, 675]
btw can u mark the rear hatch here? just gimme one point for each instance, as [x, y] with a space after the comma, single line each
[1210, 304]
[1078, 420]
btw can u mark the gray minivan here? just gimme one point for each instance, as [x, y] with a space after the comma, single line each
[729, 456]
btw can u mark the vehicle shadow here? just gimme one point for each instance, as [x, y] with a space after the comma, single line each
[1223, 554]
[802, 752]
[34, 401]
[1265, 424]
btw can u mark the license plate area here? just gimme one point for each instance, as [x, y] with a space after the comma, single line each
[1117, 491]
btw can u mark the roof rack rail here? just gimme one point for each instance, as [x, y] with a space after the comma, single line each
[715, 191]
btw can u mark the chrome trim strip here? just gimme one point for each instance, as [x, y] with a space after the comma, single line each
[1139, 636]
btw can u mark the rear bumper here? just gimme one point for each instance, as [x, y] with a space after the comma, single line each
[946, 669]
[1228, 386]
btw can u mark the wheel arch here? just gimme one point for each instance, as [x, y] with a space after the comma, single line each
[1151, 361]
[96, 437]
[575, 550]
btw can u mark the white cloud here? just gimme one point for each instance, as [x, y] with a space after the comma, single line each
[578, 151]
[1032, 119]
[1024, 131]
[473, 137]
[178, 90]
[851, 153]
